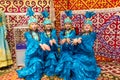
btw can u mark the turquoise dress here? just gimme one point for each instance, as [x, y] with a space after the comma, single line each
[84, 63]
[50, 57]
[63, 69]
[5, 55]
[34, 64]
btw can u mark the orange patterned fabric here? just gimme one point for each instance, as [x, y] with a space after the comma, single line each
[61, 5]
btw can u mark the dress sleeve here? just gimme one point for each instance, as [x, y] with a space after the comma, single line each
[54, 35]
[28, 37]
[43, 38]
[72, 34]
[32, 44]
[61, 34]
[87, 42]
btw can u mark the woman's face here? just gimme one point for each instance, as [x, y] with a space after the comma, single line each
[48, 26]
[67, 26]
[87, 27]
[34, 26]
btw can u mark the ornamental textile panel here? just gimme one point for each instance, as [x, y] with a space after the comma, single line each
[15, 11]
[61, 5]
[106, 23]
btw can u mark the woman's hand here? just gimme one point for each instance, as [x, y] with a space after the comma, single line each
[68, 40]
[62, 41]
[46, 47]
[79, 40]
[42, 47]
[75, 41]
[51, 42]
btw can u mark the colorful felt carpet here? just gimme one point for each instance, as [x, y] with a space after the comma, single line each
[110, 71]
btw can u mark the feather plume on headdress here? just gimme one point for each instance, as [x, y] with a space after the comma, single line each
[30, 13]
[88, 15]
[45, 15]
[69, 15]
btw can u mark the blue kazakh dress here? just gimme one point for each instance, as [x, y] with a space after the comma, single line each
[34, 64]
[50, 57]
[63, 69]
[84, 62]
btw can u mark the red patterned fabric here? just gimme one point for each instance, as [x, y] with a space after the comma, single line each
[15, 15]
[61, 5]
[18, 6]
[107, 25]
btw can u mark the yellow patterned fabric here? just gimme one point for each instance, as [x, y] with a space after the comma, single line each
[5, 55]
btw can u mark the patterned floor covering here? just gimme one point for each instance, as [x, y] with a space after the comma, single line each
[110, 71]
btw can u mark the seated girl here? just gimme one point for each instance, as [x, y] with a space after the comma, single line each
[34, 64]
[50, 38]
[84, 64]
[63, 69]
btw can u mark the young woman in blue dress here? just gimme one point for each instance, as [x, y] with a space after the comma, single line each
[34, 64]
[51, 39]
[63, 69]
[84, 62]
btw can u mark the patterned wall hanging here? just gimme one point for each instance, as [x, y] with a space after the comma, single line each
[15, 11]
[106, 23]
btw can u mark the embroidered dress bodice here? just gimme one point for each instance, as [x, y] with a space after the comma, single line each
[48, 34]
[67, 33]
